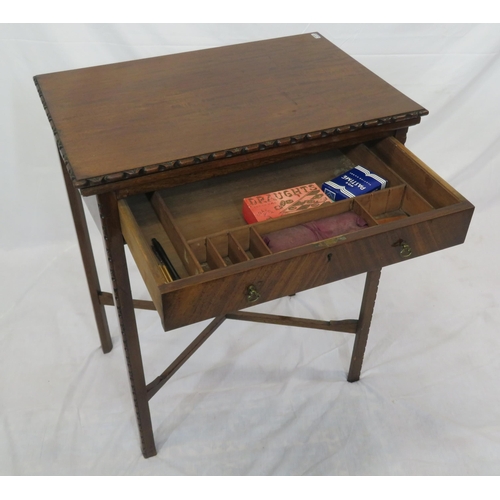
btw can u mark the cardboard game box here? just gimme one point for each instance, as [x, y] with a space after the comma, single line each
[355, 182]
[279, 203]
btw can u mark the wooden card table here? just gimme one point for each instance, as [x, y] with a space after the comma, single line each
[169, 146]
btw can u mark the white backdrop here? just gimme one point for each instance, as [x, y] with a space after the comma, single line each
[267, 400]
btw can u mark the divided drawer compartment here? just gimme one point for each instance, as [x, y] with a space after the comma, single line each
[225, 264]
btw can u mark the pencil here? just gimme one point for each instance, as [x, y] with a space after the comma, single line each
[164, 259]
[162, 266]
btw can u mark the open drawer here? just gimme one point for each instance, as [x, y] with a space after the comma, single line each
[226, 265]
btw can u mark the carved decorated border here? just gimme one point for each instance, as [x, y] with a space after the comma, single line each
[218, 155]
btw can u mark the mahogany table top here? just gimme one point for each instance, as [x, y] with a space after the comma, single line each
[118, 117]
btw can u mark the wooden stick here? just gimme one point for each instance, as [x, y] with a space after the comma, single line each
[106, 299]
[154, 386]
[346, 326]
[365, 318]
[82, 233]
[108, 208]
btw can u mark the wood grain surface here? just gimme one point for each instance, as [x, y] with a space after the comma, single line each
[111, 121]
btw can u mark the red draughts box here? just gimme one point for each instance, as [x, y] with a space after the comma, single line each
[289, 201]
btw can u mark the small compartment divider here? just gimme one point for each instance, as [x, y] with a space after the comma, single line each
[258, 247]
[414, 203]
[180, 244]
[326, 210]
[416, 173]
[229, 247]
[360, 210]
[382, 202]
[235, 251]
[214, 258]
[392, 204]
[249, 236]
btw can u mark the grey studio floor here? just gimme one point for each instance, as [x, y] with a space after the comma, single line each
[256, 400]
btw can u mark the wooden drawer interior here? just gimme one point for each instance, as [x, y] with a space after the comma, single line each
[201, 227]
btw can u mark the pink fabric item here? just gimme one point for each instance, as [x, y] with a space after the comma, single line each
[317, 230]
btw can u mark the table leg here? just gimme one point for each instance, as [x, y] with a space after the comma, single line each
[365, 318]
[114, 243]
[82, 232]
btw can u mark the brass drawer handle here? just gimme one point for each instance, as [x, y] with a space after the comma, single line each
[405, 248]
[252, 294]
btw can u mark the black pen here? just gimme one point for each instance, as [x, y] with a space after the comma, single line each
[164, 259]
[162, 266]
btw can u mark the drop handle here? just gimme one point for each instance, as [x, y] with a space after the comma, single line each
[252, 294]
[405, 248]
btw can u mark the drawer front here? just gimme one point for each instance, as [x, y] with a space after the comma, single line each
[328, 261]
